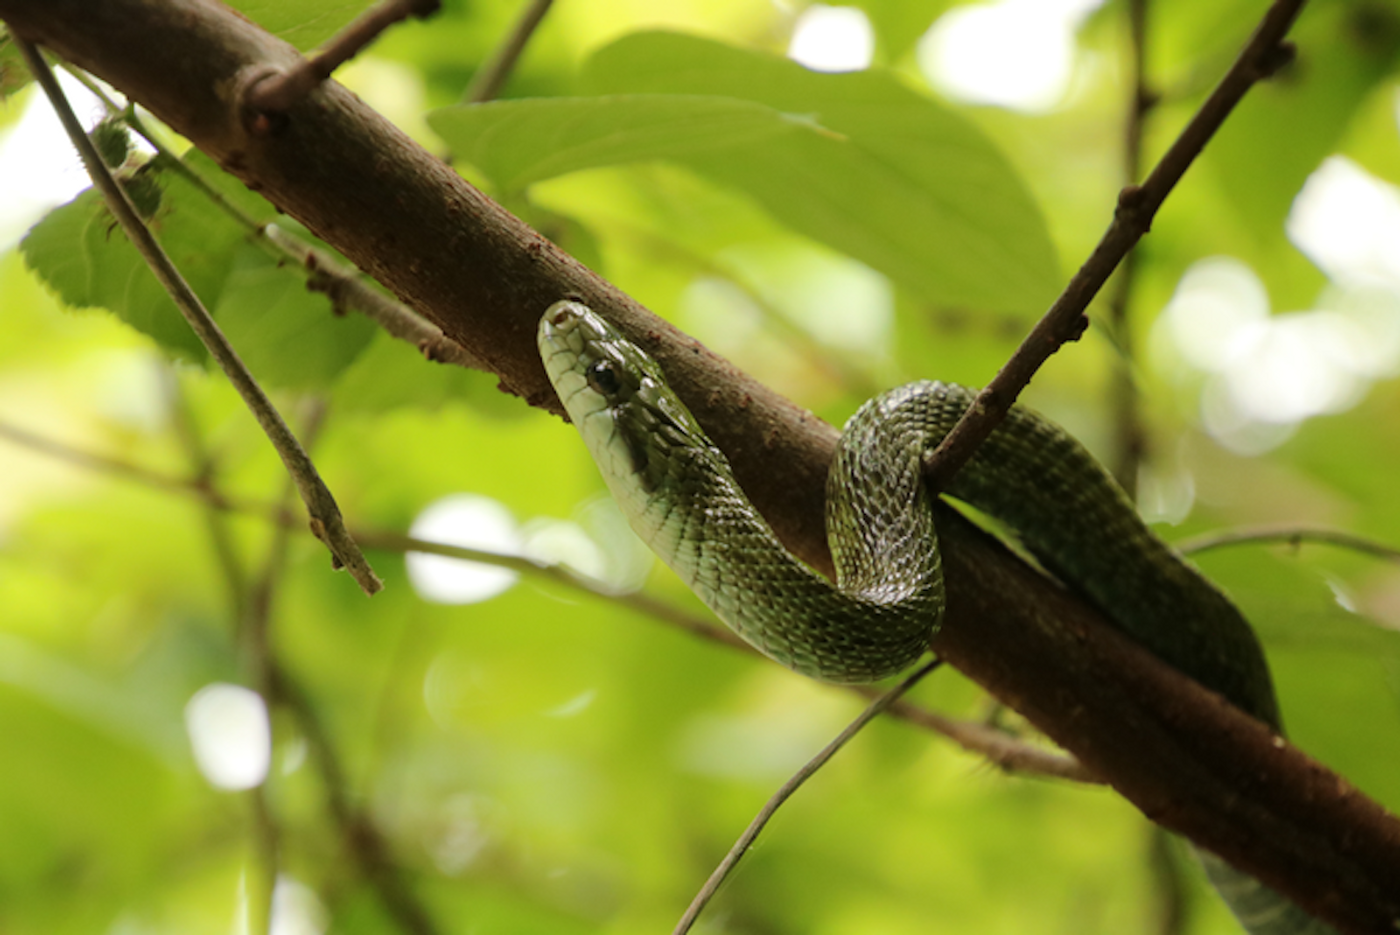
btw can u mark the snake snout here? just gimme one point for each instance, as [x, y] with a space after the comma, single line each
[564, 311]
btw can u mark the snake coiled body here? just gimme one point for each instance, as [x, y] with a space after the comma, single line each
[679, 494]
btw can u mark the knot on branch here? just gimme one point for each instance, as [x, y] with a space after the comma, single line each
[260, 99]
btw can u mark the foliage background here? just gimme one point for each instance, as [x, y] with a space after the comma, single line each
[548, 762]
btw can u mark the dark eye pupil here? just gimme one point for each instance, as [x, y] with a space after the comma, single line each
[602, 377]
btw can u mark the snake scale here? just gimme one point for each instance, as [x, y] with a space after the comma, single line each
[680, 496]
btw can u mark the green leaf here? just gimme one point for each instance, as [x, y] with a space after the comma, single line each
[855, 161]
[81, 253]
[287, 335]
[519, 142]
[303, 23]
[907, 185]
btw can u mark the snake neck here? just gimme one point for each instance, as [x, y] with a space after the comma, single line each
[696, 518]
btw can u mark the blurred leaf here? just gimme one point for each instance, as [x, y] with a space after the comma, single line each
[519, 142]
[89, 812]
[908, 186]
[14, 74]
[287, 335]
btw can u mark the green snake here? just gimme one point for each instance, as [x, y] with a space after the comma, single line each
[680, 496]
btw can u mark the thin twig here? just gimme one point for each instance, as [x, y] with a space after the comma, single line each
[1169, 883]
[363, 840]
[205, 470]
[277, 92]
[360, 835]
[1001, 749]
[262, 883]
[1291, 535]
[1130, 438]
[254, 630]
[487, 82]
[561, 574]
[253, 635]
[756, 826]
[267, 833]
[326, 521]
[99, 462]
[1137, 205]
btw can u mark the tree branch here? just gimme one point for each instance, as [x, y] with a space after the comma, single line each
[492, 75]
[1293, 536]
[1181, 754]
[1129, 435]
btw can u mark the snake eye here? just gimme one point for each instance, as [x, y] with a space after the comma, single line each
[602, 378]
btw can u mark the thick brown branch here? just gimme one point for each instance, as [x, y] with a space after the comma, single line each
[1189, 760]
[1182, 755]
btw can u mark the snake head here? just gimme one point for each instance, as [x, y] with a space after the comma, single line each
[617, 396]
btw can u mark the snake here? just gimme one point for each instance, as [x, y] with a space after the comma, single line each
[679, 494]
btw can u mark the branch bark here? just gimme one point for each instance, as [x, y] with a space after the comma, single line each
[1181, 754]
